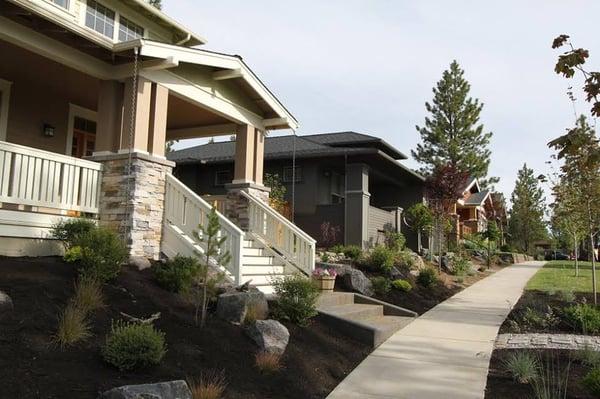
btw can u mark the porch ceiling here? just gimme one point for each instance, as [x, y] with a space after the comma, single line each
[186, 120]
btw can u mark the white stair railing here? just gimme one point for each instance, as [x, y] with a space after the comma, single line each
[282, 235]
[33, 177]
[186, 210]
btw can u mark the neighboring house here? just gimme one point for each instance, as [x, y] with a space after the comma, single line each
[353, 181]
[472, 209]
[111, 81]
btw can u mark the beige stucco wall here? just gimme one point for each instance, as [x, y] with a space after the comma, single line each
[41, 92]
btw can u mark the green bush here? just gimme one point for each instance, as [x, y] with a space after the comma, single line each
[352, 251]
[381, 285]
[395, 241]
[177, 274]
[102, 253]
[584, 318]
[591, 381]
[69, 231]
[337, 248]
[460, 266]
[405, 260]
[381, 258]
[427, 277]
[589, 357]
[522, 366]
[296, 298]
[402, 285]
[72, 254]
[132, 346]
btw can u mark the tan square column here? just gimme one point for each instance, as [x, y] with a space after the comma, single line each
[110, 116]
[158, 120]
[259, 156]
[139, 120]
[245, 144]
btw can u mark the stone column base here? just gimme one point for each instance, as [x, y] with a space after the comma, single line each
[237, 205]
[139, 217]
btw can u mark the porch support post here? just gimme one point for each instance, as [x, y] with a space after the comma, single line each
[158, 120]
[110, 116]
[245, 143]
[141, 115]
[357, 202]
[259, 156]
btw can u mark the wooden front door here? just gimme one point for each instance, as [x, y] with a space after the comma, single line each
[84, 137]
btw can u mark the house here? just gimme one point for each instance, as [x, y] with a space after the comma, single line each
[351, 181]
[110, 81]
[473, 209]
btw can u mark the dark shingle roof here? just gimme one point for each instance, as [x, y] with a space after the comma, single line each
[477, 198]
[282, 147]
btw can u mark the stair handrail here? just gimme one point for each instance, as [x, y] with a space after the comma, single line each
[297, 247]
[187, 210]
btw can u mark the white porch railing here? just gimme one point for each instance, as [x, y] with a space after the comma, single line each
[29, 176]
[186, 210]
[282, 235]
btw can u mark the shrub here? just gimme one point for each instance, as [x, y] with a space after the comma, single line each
[72, 327]
[69, 231]
[427, 277]
[460, 266]
[395, 241]
[522, 366]
[88, 295]
[296, 298]
[566, 295]
[267, 363]
[584, 318]
[325, 257]
[102, 253]
[402, 285]
[72, 254]
[209, 386]
[588, 357]
[131, 346]
[177, 274]
[337, 248]
[405, 260]
[353, 252]
[381, 258]
[534, 319]
[381, 285]
[591, 381]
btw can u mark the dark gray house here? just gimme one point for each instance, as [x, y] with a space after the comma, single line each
[353, 181]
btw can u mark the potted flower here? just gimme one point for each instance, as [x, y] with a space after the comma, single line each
[325, 278]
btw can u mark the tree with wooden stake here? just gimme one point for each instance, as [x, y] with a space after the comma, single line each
[491, 235]
[419, 218]
[207, 278]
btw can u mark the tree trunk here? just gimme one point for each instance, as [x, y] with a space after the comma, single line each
[439, 233]
[576, 256]
[419, 247]
[593, 268]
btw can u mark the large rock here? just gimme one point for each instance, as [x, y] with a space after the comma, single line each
[233, 306]
[270, 335]
[396, 273]
[6, 304]
[162, 390]
[356, 280]
[418, 263]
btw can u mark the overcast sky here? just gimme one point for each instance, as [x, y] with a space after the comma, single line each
[369, 66]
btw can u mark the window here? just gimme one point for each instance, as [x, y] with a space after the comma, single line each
[62, 3]
[222, 177]
[128, 30]
[288, 174]
[100, 18]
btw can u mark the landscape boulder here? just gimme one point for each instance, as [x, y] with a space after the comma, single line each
[162, 390]
[418, 263]
[356, 280]
[270, 335]
[6, 304]
[140, 262]
[233, 306]
[396, 273]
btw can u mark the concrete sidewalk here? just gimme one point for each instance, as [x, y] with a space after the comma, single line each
[445, 353]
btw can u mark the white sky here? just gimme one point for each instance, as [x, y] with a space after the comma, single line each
[370, 65]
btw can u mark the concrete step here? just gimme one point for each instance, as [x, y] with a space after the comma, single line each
[262, 269]
[353, 311]
[335, 298]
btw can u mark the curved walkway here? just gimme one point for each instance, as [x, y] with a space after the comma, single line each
[445, 353]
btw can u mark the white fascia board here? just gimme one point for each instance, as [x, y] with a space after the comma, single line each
[206, 58]
[203, 98]
[29, 39]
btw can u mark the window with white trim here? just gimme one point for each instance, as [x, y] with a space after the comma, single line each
[129, 30]
[289, 175]
[100, 18]
[62, 3]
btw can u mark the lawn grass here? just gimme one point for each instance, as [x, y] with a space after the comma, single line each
[560, 276]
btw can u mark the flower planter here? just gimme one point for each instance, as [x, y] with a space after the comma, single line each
[325, 283]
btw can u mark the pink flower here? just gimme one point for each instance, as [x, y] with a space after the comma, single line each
[319, 272]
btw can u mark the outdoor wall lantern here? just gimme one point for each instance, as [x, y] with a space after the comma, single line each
[48, 130]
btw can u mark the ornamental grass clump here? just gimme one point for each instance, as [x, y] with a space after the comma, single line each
[427, 277]
[522, 366]
[88, 296]
[208, 386]
[73, 327]
[296, 298]
[268, 363]
[381, 285]
[131, 346]
[591, 382]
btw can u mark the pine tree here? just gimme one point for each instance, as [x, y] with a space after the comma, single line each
[452, 133]
[526, 223]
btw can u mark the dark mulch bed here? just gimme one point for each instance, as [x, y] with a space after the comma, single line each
[541, 300]
[500, 384]
[316, 359]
